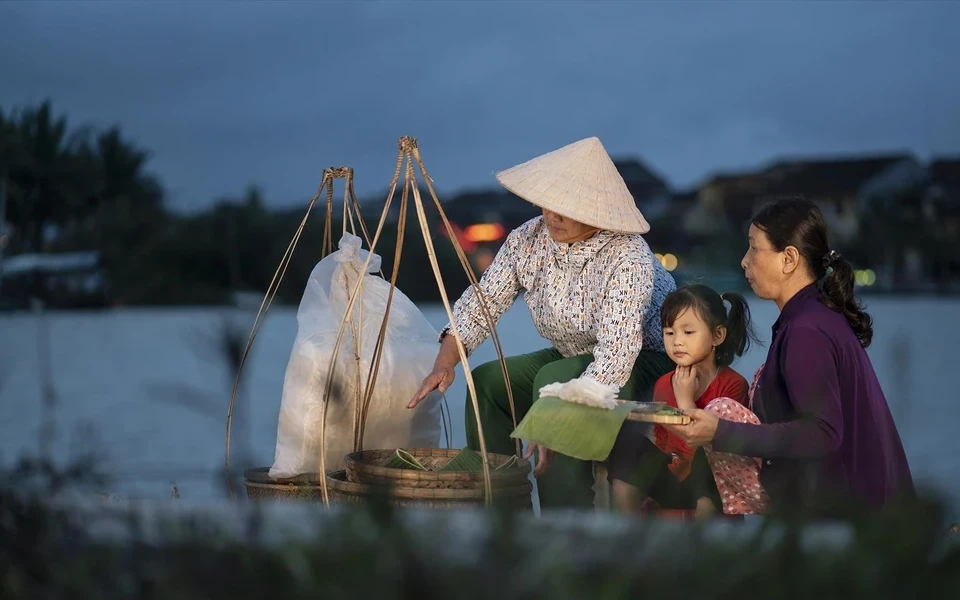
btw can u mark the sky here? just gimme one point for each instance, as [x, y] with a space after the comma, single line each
[226, 94]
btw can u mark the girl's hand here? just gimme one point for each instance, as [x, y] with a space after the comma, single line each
[700, 430]
[685, 384]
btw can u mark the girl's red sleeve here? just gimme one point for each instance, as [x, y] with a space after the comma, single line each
[663, 390]
[730, 384]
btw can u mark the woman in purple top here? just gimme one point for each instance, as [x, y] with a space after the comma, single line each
[827, 439]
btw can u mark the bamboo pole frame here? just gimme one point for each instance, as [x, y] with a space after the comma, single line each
[408, 154]
[326, 185]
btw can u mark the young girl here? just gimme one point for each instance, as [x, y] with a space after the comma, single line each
[703, 339]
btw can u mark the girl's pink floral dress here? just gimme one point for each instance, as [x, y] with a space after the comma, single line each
[738, 477]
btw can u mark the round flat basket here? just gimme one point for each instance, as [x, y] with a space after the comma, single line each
[668, 419]
[342, 491]
[655, 412]
[366, 467]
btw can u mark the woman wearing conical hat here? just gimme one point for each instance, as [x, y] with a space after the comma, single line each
[594, 289]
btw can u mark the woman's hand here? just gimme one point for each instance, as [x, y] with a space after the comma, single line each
[699, 431]
[442, 375]
[544, 458]
[685, 383]
[440, 378]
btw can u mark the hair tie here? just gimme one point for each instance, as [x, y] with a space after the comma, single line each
[727, 305]
[830, 257]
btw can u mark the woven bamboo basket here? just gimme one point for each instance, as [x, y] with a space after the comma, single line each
[342, 491]
[260, 486]
[364, 467]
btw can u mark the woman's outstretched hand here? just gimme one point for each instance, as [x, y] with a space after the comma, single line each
[544, 458]
[440, 378]
[699, 431]
[442, 375]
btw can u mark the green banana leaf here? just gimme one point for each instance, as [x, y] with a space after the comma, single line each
[465, 460]
[576, 430]
[401, 459]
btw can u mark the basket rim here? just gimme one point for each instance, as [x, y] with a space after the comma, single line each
[259, 476]
[354, 461]
[409, 493]
[337, 482]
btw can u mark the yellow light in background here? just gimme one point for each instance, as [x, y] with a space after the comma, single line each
[659, 257]
[865, 277]
[669, 262]
[484, 232]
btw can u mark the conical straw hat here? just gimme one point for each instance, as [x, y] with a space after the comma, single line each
[580, 182]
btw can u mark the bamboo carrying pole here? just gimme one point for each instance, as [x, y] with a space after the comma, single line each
[409, 154]
[408, 151]
[326, 184]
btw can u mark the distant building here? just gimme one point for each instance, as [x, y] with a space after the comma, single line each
[941, 207]
[839, 186]
[489, 206]
[63, 280]
[650, 191]
[896, 219]
[944, 192]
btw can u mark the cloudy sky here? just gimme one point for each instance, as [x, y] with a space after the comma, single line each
[230, 93]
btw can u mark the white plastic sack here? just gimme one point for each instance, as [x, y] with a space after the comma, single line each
[410, 347]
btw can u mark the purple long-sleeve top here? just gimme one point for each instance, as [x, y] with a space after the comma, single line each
[827, 434]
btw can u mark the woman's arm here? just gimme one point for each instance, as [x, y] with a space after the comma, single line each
[811, 374]
[620, 323]
[500, 286]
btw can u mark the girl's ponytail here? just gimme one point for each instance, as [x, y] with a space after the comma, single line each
[739, 330]
[709, 305]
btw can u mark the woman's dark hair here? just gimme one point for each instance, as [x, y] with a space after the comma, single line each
[797, 222]
[709, 305]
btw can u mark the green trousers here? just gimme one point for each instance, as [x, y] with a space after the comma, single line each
[569, 482]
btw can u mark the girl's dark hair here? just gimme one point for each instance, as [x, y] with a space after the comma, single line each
[797, 222]
[709, 305]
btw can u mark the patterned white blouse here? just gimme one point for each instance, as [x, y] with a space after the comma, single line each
[600, 295]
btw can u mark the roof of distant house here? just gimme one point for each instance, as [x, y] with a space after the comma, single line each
[636, 173]
[685, 196]
[824, 177]
[828, 176]
[60, 262]
[946, 172]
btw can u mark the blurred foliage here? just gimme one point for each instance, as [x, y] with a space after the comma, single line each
[89, 190]
[47, 551]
